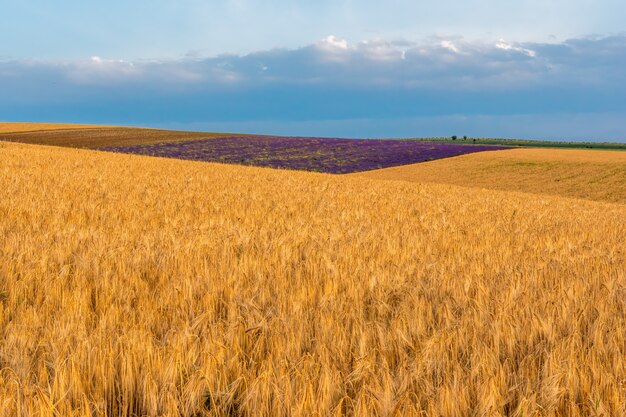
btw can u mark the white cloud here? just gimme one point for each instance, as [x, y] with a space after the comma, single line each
[436, 63]
[374, 80]
[381, 51]
[504, 45]
[449, 45]
[332, 42]
[333, 49]
[97, 69]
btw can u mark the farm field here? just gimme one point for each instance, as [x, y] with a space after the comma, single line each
[87, 136]
[19, 127]
[590, 174]
[138, 286]
[330, 155]
[529, 143]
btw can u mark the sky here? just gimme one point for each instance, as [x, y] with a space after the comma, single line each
[395, 68]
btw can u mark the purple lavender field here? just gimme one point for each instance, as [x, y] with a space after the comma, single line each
[330, 155]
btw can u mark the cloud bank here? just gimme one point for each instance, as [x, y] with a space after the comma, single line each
[323, 84]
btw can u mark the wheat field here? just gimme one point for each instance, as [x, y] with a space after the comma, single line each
[19, 127]
[138, 286]
[590, 174]
[92, 136]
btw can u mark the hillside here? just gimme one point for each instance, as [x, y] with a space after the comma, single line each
[90, 136]
[134, 285]
[21, 127]
[590, 174]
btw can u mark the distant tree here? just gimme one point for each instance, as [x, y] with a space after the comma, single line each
[454, 137]
[464, 137]
[474, 140]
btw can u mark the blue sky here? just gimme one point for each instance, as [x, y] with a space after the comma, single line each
[541, 69]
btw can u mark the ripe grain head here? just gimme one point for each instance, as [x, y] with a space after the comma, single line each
[590, 174]
[143, 286]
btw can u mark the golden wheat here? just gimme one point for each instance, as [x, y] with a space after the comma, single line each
[15, 127]
[138, 286]
[97, 137]
[591, 174]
